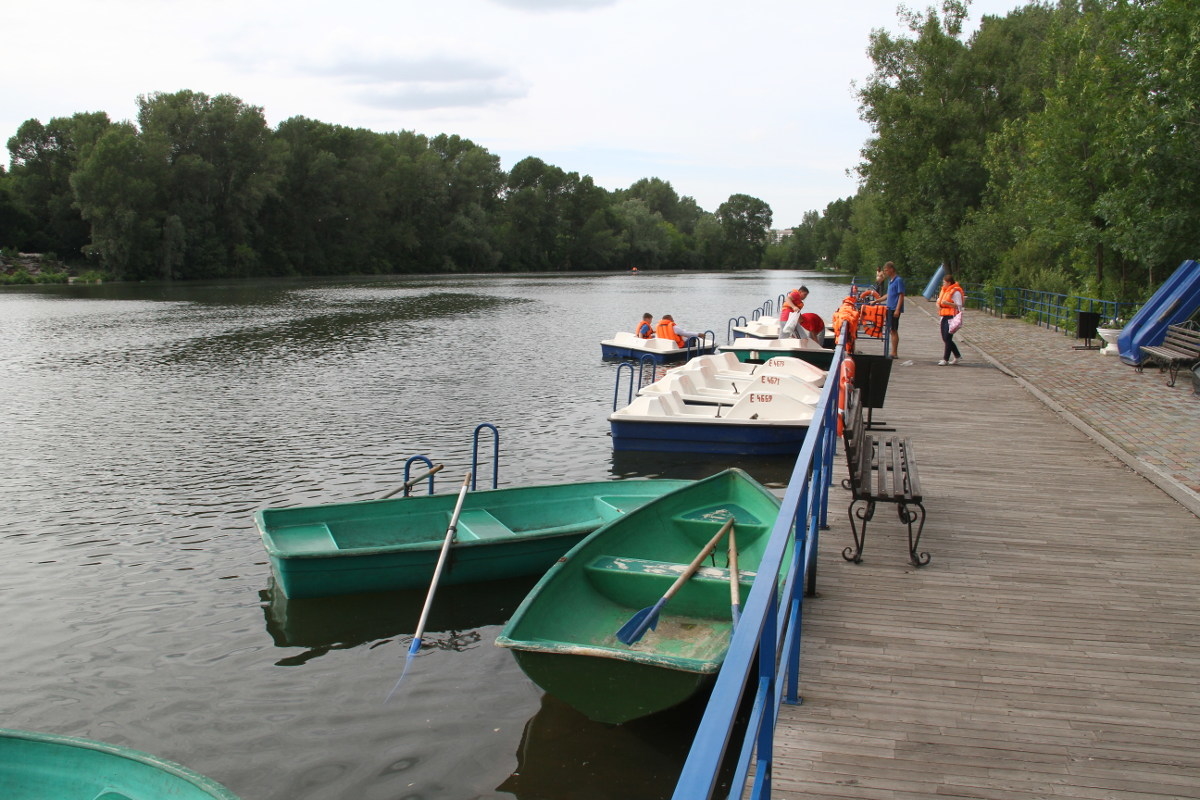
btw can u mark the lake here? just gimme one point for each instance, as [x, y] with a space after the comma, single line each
[144, 424]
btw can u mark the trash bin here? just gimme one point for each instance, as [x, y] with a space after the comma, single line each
[1086, 324]
[871, 375]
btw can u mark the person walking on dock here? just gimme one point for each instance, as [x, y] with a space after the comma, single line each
[950, 307]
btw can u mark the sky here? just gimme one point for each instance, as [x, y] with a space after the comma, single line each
[749, 97]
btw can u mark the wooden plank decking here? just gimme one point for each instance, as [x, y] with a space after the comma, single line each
[1051, 649]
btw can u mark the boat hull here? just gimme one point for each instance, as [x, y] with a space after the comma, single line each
[659, 356]
[662, 351]
[725, 438]
[35, 766]
[564, 633]
[384, 545]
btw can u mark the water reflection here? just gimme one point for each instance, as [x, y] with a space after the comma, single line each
[564, 754]
[323, 624]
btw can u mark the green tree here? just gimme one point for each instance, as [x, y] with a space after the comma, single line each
[929, 121]
[118, 189]
[222, 164]
[745, 225]
[43, 159]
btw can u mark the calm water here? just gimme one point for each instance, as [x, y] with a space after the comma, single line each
[142, 425]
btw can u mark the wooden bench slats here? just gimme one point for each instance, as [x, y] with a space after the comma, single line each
[881, 470]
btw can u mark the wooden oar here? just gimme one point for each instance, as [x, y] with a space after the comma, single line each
[437, 574]
[647, 618]
[735, 585]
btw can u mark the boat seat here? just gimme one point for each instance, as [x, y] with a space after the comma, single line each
[476, 523]
[312, 538]
[667, 569]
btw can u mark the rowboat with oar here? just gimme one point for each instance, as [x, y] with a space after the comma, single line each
[36, 766]
[565, 634]
[380, 545]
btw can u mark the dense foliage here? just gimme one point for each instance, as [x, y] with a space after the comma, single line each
[1056, 148]
[201, 187]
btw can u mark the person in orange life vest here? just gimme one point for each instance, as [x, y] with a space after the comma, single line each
[667, 329]
[645, 328]
[789, 315]
[950, 302]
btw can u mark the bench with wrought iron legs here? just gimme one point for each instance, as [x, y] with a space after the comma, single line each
[882, 470]
[1181, 345]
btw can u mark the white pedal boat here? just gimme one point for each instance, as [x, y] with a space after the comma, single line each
[727, 365]
[706, 386]
[629, 345]
[758, 423]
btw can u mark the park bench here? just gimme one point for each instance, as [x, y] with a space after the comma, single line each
[882, 470]
[1181, 345]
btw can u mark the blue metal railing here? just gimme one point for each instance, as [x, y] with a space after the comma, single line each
[764, 654]
[1049, 309]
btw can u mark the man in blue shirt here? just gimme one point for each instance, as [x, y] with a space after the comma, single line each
[895, 303]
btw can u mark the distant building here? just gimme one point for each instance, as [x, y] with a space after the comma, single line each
[777, 235]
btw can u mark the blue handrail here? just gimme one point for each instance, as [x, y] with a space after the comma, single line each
[768, 633]
[407, 486]
[495, 454]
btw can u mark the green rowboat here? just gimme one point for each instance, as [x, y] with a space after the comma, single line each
[564, 633]
[382, 545]
[40, 766]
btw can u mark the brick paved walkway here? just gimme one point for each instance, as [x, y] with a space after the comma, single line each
[1152, 427]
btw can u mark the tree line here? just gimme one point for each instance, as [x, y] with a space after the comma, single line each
[201, 187]
[1056, 148]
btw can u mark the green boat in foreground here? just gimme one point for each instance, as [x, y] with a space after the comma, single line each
[379, 545]
[564, 634]
[41, 766]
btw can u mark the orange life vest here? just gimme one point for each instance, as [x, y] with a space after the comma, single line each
[944, 296]
[666, 330]
[847, 312]
[649, 326]
[872, 318]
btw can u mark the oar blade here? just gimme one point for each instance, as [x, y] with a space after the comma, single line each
[644, 620]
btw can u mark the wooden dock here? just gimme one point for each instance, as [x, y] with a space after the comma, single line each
[1051, 649]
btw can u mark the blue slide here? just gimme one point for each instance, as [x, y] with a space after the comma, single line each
[935, 283]
[1173, 303]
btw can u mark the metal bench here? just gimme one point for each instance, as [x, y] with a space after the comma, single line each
[882, 470]
[1181, 345]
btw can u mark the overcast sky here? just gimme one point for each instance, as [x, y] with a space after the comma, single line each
[718, 98]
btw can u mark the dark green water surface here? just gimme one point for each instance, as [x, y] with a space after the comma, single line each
[143, 424]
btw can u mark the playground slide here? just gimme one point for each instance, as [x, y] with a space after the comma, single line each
[935, 283]
[1173, 303]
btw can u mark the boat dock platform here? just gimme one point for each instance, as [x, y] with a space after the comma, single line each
[1051, 648]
